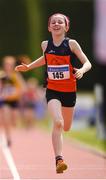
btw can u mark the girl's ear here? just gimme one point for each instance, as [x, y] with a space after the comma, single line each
[49, 29]
[67, 28]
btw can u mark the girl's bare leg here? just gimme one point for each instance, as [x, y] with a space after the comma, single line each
[15, 116]
[67, 113]
[6, 123]
[29, 117]
[54, 107]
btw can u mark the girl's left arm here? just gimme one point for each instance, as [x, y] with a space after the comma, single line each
[76, 49]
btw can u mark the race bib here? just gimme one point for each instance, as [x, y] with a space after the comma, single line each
[58, 72]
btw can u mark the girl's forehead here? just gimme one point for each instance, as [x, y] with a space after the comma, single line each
[57, 17]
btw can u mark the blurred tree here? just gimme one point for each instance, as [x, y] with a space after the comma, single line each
[34, 21]
[13, 27]
[20, 29]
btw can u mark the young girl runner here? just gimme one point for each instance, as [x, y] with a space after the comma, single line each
[61, 79]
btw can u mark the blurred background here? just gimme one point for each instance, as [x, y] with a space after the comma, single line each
[23, 26]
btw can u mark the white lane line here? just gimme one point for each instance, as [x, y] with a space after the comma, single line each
[9, 158]
[54, 179]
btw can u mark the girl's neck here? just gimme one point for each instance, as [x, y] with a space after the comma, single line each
[57, 40]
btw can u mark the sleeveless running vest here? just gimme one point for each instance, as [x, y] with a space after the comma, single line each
[60, 76]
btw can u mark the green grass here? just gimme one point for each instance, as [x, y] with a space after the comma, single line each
[89, 137]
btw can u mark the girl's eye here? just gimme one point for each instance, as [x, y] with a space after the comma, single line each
[53, 22]
[59, 22]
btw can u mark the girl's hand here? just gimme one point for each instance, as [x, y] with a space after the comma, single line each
[22, 67]
[78, 73]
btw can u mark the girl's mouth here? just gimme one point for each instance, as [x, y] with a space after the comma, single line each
[56, 28]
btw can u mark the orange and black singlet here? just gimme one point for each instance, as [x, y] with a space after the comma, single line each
[60, 76]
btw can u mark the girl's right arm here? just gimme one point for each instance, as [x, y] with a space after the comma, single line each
[37, 63]
[86, 65]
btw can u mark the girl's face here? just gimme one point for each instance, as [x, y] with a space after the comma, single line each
[57, 25]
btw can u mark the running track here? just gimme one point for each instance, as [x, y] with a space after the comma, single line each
[33, 158]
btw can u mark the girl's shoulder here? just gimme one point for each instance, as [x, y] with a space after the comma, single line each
[44, 45]
[73, 41]
[73, 44]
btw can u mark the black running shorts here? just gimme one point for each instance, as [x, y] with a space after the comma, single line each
[67, 99]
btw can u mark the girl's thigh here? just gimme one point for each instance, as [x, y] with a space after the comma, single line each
[55, 109]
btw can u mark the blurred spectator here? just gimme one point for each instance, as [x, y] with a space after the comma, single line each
[28, 102]
[11, 92]
[4, 126]
[33, 99]
[100, 56]
[33, 102]
[41, 105]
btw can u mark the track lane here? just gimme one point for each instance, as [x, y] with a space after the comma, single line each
[33, 155]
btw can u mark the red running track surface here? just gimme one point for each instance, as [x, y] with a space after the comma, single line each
[34, 158]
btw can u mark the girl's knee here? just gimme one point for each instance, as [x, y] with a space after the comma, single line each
[58, 124]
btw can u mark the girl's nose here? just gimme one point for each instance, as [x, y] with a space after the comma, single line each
[56, 23]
